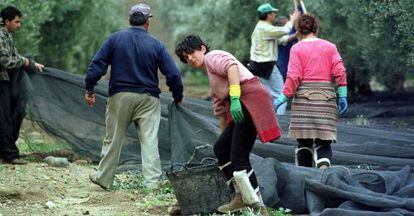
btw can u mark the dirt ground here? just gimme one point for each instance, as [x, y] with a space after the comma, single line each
[25, 190]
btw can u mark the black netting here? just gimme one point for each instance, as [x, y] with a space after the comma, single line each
[188, 132]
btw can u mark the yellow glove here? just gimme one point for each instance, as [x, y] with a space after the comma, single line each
[235, 104]
[235, 90]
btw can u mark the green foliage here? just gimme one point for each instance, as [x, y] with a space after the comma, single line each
[77, 31]
[65, 34]
[361, 120]
[34, 14]
[225, 24]
[374, 38]
[37, 146]
[392, 41]
[280, 212]
[135, 182]
[195, 78]
[130, 181]
[250, 212]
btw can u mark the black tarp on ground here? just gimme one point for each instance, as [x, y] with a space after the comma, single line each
[188, 133]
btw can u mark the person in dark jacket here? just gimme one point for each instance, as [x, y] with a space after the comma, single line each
[135, 57]
[12, 65]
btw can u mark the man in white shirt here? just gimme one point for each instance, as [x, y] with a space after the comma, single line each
[264, 50]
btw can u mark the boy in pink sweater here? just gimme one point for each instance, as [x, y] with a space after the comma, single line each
[314, 65]
[245, 110]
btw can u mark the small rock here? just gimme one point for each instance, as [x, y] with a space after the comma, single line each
[20, 141]
[50, 205]
[34, 133]
[57, 161]
[37, 141]
[80, 162]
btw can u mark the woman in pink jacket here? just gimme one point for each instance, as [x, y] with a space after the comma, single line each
[245, 109]
[315, 67]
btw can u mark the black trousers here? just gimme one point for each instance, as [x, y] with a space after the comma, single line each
[235, 144]
[12, 112]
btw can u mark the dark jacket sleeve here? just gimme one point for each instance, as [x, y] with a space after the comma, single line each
[169, 69]
[99, 65]
[9, 58]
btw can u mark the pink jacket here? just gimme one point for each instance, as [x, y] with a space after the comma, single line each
[314, 60]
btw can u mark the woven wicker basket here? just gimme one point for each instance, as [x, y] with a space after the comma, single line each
[199, 188]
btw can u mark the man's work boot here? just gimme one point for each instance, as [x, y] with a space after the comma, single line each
[18, 161]
[93, 179]
[235, 205]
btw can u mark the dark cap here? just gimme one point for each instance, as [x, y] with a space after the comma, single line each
[140, 8]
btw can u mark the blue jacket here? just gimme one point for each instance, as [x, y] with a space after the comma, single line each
[284, 55]
[135, 57]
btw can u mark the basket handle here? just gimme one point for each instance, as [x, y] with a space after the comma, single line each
[208, 158]
[176, 165]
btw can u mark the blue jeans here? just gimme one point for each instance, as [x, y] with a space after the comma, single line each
[275, 86]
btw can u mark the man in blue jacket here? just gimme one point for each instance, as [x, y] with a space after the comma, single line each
[135, 57]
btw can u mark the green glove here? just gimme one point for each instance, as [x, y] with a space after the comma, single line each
[236, 109]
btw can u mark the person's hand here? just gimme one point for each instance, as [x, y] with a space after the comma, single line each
[236, 109]
[342, 105]
[90, 98]
[39, 67]
[26, 62]
[277, 103]
[33, 66]
[296, 35]
[294, 16]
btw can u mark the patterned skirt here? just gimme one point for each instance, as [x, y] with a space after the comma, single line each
[314, 112]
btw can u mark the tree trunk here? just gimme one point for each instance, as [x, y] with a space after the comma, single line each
[358, 82]
[399, 79]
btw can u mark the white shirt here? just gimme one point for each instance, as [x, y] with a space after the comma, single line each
[265, 41]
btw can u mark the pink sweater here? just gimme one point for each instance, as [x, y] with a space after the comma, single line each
[217, 62]
[314, 60]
